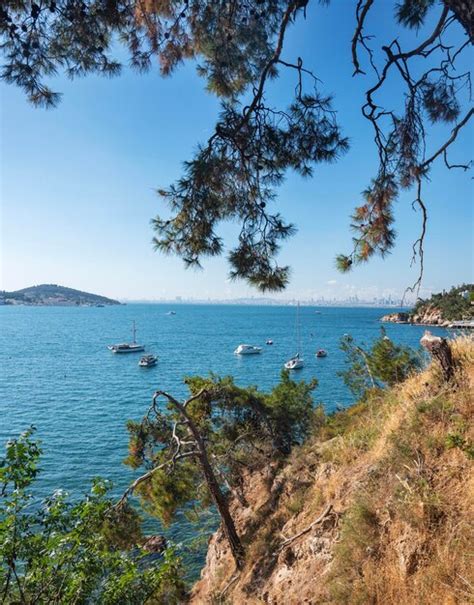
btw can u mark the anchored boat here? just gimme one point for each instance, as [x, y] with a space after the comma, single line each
[128, 347]
[148, 361]
[247, 350]
[296, 362]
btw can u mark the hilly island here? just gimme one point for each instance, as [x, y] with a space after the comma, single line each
[54, 295]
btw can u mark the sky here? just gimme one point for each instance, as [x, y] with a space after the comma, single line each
[78, 184]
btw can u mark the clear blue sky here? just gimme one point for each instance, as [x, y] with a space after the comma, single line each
[77, 184]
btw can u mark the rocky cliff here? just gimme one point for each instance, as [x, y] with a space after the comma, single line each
[442, 309]
[429, 315]
[374, 508]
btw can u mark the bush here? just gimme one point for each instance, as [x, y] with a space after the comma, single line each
[384, 364]
[55, 551]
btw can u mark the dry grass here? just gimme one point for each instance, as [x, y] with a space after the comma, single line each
[418, 498]
[397, 470]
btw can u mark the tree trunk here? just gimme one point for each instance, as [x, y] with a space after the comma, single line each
[441, 351]
[216, 492]
[464, 12]
[221, 503]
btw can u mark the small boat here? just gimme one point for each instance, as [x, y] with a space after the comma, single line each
[269, 341]
[321, 353]
[125, 347]
[171, 313]
[148, 361]
[295, 363]
[247, 350]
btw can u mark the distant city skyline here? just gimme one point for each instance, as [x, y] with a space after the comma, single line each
[368, 297]
[78, 187]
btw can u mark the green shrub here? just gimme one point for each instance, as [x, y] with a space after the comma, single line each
[56, 551]
[384, 364]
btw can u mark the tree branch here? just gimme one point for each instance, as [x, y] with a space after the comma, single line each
[321, 517]
[452, 138]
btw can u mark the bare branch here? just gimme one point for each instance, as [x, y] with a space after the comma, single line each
[321, 517]
[418, 249]
[358, 37]
[452, 138]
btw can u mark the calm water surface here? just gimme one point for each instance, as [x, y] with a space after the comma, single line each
[57, 374]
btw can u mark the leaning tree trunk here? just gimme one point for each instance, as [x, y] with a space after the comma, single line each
[223, 508]
[216, 492]
[441, 351]
[464, 12]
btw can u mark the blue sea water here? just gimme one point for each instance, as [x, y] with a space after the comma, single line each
[57, 374]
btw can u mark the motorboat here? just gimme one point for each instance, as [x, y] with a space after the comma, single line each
[247, 350]
[269, 341]
[128, 347]
[171, 313]
[295, 363]
[321, 353]
[148, 361]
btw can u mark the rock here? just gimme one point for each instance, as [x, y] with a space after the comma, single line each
[400, 318]
[408, 547]
[155, 544]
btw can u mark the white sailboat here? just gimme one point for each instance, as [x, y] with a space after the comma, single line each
[297, 361]
[128, 347]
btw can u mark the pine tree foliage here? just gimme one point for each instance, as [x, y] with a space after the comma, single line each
[433, 90]
[238, 49]
[195, 451]
[383, 364]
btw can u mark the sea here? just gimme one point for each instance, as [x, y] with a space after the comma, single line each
[57, 374]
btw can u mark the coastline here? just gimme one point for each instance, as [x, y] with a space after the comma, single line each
[430, 321]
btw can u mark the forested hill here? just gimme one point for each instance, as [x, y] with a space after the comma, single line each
[453, 305]
[444, 308]
[52, 294]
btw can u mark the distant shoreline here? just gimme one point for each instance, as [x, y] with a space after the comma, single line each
[322, 305]
[340, 305]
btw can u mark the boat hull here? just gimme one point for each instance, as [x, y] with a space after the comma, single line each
[124, 351]
[247, 350]
[294, 365]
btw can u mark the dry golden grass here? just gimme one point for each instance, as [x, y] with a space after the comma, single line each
[397, 470]
[418, 498]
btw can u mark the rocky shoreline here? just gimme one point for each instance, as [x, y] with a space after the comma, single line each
[431, 317]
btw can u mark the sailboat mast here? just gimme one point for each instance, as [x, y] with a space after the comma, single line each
[298, 334]
[134, 332]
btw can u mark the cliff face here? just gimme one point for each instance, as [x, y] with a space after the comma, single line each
[428, 315]
[443, 309]
[374, 508]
